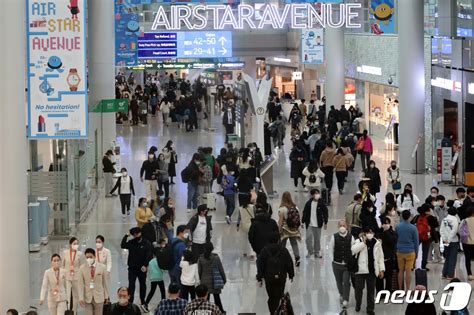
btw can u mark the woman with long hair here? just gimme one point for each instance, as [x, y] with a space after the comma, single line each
[54, 287]
[289, 222]
[171, 157]
[408, 201]
[341, 164]
[212, 274]
[168, 214]
[313, 175]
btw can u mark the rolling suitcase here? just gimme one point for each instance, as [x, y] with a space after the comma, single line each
[210, 200]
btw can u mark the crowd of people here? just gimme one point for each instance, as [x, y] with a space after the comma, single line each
[372, 250]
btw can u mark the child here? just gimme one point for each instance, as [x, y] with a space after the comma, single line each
[449, 235]
[189, 275]
[228, 187]
[156, 277]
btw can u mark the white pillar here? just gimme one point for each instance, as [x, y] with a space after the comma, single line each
[334, 54]
[14, 261]
[412, 82]
[447, 18]
[101, 32]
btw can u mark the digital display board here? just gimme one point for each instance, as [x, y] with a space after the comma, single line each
[156, 45]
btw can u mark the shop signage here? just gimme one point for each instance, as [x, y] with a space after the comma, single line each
[297, 15]
[153, 65]
[312, 46]
[446, 159]
[370, 70]
[439, 162]
[447, 84]
[470, 88]
[155, 45]
[297, 75]
[57, 76]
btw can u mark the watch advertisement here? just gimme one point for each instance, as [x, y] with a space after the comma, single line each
[57, 74]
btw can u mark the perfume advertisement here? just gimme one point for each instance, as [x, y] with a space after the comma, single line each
[57, 75]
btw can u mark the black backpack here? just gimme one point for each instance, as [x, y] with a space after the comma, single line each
[185, 177]
[293, 218]
[312, 178]
[273, 267]
[165, 256]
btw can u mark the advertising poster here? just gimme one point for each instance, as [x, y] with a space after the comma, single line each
[127, 31]
[57, 74]
[312, 46]
[382, 16]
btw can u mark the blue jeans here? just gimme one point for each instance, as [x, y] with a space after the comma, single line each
[229, 204]
[169, 235]
[451, 255]
[192, 196]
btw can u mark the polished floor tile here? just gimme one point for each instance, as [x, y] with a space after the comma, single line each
[313, 290]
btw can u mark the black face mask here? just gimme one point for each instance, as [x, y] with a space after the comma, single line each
[407, 191]
[394, 167]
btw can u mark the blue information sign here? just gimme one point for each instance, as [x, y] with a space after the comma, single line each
[154, 45]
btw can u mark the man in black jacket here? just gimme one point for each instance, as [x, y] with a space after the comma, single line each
[192, 174]
[262, 227]
[315, 217]
[109, 170]
[148, 172]
[124, 306]
[200, 228]
[274, 265]
[140, 252]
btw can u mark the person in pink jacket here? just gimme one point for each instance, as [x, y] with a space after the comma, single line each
[366, 153]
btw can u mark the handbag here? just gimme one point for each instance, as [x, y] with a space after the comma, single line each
[397, 186]
[359, 145]
[217, 280]
[353, 264]
[285, 307]
[107, 309]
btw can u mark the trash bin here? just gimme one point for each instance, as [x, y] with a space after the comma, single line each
[44, 211]
[34, 227]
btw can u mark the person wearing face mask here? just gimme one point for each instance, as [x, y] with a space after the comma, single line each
[389, 243]
[200, 228]
[179, 246]
[368, 213]
[162, 176]
[425, 224]
[393, 178]
[73, 259]
[407, 249]
[315, 218]
[168, 213]
[449, 235]
[370, 259]
[124, 306]
[341, 164]
[460, 196]
[388, 211]
[125, 189]
[93, 284]
[190, 175]
[143, 213]
[434, 192]
[364, 190]
[103, 254]
[171, 157]
[148, 174]
[326, 161]
[373, 174]
[54, 287]
[109, 170]
[439, 211]
[340, 246]
[140, 252]
[228, 120]
[408, 200]
[298, 158]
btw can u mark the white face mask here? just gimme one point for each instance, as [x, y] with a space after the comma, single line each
[186, 235]
[370, 236]
[392, 213]
[56, 264]
[317, 196]
[371, 209]
[434, 195]
[90, 261]
[123, 301]
[99, 245]
[151, 157]
[124, 174]
[75, 246]
[342, 230]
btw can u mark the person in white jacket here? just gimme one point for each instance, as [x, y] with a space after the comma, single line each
[165, 111]
[370, 258]
[449, 236]
[189, 275]
[313, 176]
[408, 201]
[54, 287]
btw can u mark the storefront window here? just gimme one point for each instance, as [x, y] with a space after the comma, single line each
[383, 110]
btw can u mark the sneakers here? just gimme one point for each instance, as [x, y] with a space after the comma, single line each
[297, 261]
[470, 278]
[128, 212]
[189, 210]
[145, 309]
[227, 219]
[344, 304]
[123, 216]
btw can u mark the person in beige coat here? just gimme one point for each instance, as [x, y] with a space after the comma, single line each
[103, 254]
[54, 286]
[93, 284]
[72, 260]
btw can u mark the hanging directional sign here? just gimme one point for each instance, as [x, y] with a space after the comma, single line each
[157, 45]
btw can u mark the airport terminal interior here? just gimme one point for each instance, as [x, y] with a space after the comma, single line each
[224, 153]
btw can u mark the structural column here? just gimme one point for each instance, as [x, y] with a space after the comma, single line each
[447, 18]
[14, 260]
[101, 33]
[411, 82]
[334, 54]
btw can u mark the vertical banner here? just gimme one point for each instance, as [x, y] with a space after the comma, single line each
[382, 16]
[57, 73]
[312, 46]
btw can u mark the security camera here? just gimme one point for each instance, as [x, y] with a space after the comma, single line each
[390, 78]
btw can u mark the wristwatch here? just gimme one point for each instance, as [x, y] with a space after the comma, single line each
[73, 79]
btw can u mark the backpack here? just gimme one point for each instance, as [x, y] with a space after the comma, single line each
[227, 183]
[423, 227]
[360, 144]
[464, 231]
[165, 256]
[273, 267]
[293, 218]
[185, 176]
[312, 178]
